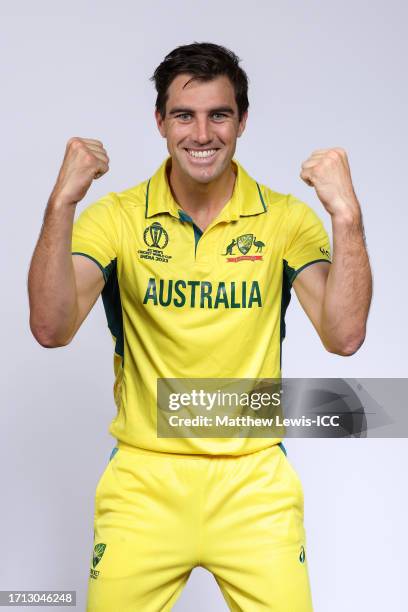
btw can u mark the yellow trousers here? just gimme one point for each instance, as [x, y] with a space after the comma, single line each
[159, 515]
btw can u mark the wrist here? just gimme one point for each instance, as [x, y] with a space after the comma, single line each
[59, 201]
[348, 224]
[346, 212]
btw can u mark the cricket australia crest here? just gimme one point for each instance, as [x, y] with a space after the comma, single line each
[244, 243]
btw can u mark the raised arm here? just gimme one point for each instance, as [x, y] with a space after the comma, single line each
[337, 296]
[62, 288]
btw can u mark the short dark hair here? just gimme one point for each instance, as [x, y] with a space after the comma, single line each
[204, 61]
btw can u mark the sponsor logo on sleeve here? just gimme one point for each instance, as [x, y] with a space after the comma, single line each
[324, 251]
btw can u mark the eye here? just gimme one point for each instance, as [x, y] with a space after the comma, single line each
[218, 116]
[184, 116]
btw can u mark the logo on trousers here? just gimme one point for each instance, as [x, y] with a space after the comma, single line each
[98, 554]
[96, 557]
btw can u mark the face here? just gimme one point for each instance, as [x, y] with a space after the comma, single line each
[201, 126]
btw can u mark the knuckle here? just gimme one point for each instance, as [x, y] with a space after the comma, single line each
[74, 142]
[332, 154]
[89, 158]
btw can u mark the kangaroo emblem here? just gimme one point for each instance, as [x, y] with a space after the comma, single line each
[230, 247]
[259, 245]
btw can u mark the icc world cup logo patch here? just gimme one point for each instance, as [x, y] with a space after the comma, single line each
[155, 236]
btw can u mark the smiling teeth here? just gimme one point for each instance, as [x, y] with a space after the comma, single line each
[206, 153]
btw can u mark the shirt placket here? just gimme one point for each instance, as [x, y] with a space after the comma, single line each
[203, 241]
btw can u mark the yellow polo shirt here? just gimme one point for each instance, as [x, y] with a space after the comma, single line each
[181, 303]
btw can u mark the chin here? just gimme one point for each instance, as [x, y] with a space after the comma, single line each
[205, 175]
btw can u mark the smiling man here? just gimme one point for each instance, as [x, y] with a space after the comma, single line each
[195, 267]
[201, 126]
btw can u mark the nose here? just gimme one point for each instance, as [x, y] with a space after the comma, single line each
[202, 131]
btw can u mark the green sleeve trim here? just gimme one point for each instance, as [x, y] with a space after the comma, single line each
[288, 276]
[113, 308]
[285, 300]
[294, 273]
[103, 270]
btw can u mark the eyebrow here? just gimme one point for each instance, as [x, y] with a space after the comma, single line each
[219, 109]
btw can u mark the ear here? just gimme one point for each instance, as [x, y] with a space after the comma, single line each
[160, 123]
[242, 124]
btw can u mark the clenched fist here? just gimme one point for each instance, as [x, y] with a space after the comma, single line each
[328, 171]
[85, 159]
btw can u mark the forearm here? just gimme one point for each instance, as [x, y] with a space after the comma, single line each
[51, 279]
[348, 288]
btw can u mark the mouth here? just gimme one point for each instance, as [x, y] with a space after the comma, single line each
[201, 155]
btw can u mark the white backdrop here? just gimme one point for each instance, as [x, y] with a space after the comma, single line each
[321, 74]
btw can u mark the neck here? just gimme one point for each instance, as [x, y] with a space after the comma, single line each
[201, 201]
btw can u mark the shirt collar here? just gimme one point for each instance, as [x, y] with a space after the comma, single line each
[247, 198]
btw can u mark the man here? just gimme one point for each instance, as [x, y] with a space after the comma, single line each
[195, 267]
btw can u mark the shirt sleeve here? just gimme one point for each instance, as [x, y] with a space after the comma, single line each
[95, 233]
[307, 240]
